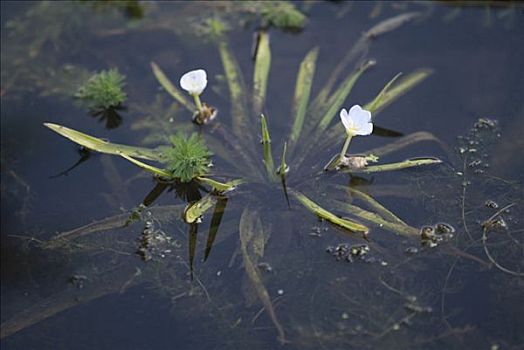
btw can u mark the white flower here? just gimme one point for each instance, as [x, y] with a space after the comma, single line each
[357, 121]
[194, 82]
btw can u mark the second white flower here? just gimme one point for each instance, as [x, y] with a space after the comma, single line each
[357, 121]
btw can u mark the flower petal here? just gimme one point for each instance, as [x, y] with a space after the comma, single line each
[364, 129]
[194, 81]
[344, 117]
[355, 110]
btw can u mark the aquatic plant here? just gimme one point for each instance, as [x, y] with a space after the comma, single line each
[369, 320]
[238, 146]
[103, 90]
[188, 158]
[281, 14]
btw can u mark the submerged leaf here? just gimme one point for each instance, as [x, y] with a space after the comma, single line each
[252, 249]
[161, 213]
[236, 92]
[390, 24]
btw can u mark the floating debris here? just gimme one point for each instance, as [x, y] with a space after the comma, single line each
[473, 145]
[444, 228]
[78, 281]
[491, 204]
[350, 253]
[411, 250]
[430, 236]
[153, 243]
[264, 266]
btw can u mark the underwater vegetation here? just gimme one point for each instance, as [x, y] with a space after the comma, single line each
[302, 244]
[103, 90]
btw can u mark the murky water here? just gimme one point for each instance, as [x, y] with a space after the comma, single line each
[265, 273]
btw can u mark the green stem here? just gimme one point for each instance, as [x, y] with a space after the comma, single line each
[346, 146]
[198, 103]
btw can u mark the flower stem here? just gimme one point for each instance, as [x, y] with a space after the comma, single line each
[346, 146]
[198, 103]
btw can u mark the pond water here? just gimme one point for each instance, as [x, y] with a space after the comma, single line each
[261, 270]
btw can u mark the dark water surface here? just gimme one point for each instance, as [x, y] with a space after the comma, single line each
[96, 292]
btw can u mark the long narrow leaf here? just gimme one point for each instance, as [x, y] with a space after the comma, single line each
[147, 167]
[220, 186]
[379, 208]
[372, 106]
[250, 226]
[171, 89]
[359, 49]
[236, 92]
[102, 146]
[302, 93]
[267, 154]
[410, 163]
[376, 219]
[326, 215]
[261, 73]
[167, 212]
[398, 89]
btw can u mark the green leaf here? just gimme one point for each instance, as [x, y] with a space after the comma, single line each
[283, 168]
[150, 168]
[261, 73]
[241, 127]
[171, 89]
[376, 219]
[409, 163]
[267, 154]
[326, 215]
[372, 106]
[302, 94]
[379, 208]
[219, 186]
[195, 210]
[103, 146]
